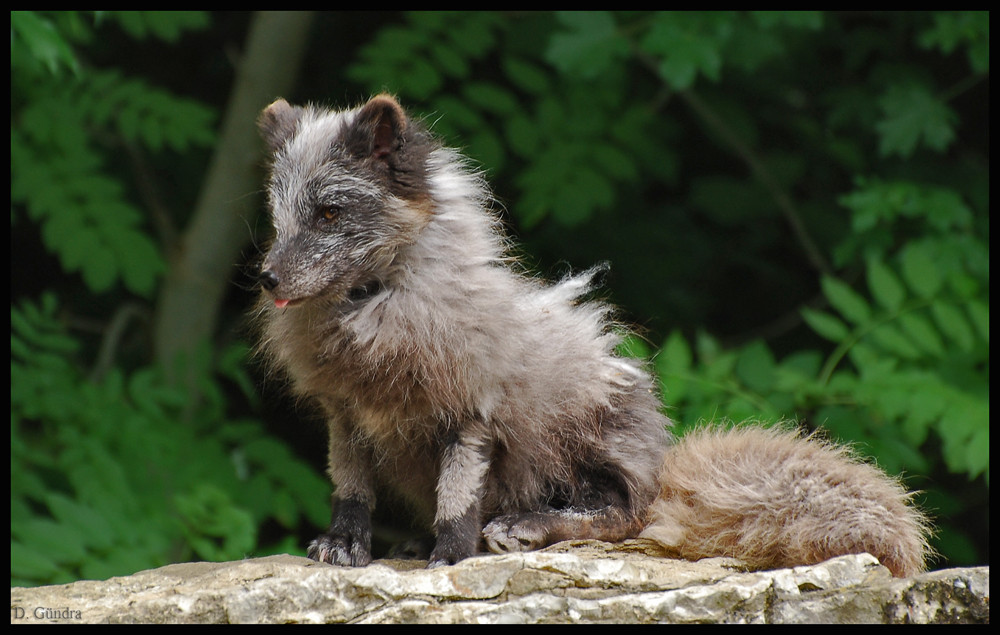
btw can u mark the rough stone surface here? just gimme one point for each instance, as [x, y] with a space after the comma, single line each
[579, 581]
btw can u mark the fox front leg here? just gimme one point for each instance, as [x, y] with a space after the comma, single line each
[348, 540]
[458, 521]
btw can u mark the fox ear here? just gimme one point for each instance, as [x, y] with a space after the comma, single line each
[277, 123]
[378, 128]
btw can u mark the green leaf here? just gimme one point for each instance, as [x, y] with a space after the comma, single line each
[88, 523]
[216, 528]
[953, 323]
[920, 270]
[522, 135]
[614, 162]
[890, 339]
[589, 46]
[707, 347]
[826, 325]
[720, 367]
[264, 450]
[143, 267]
[925, 408]
[166, 25]
[60, 542]
[920, 331]
[284, 509]
[911, 115]
[979, 314]
[846, 300]
[526, 75]
[842, 423]
[755, 366]
[312, 491]
[673, 366]
[798, 370]
[954, 28]
[490, 98]
[420, 79]
[977, 456]
[688, 44]
[99, 271]
[43, 40]
[965, 420]
[885, 286]
[469, 32]
[943, 207]
[449, 60]
[876, 202]
[461, 117]
[871, 364]
[31, 563]
[595, 192]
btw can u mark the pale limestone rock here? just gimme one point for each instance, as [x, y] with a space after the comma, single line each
[578, 581]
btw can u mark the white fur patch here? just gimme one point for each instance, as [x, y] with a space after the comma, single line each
[463, 467]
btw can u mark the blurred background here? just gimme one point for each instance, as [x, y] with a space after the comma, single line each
[795, 207]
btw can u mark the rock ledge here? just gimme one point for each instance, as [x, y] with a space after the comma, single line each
[577, 581]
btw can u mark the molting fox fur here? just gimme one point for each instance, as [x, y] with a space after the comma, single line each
[496, 404]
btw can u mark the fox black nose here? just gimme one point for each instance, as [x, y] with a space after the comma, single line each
[268, 280]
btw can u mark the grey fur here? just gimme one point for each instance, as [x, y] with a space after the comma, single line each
[452, 379]
[494, 403]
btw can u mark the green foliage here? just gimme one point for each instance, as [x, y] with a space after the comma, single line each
[417, 61]
[911, 115]
[121, 469]
[574, 161]
[165, 25]
[843, 131]
[953, 29]
[688, 45]
[42, 42]
[119, 474]
[64, 131]
[590, 44]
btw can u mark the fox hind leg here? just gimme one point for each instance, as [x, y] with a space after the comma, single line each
[527, 531]
[597, 502]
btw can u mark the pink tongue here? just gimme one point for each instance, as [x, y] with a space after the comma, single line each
[281, 303]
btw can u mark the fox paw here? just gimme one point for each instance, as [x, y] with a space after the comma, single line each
[339, 549]
[515, 533]
[445, 555]
[456, 540]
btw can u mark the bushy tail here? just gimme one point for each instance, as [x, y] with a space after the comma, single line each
[775, 499]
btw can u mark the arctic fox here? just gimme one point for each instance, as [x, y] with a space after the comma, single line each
[495, 404]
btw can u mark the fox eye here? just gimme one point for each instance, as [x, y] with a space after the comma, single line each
[327, 214]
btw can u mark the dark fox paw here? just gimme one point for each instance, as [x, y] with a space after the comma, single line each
[453, 545]
[340, 549]
[348, 540]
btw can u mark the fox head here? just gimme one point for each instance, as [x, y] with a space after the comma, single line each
[347, 191]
